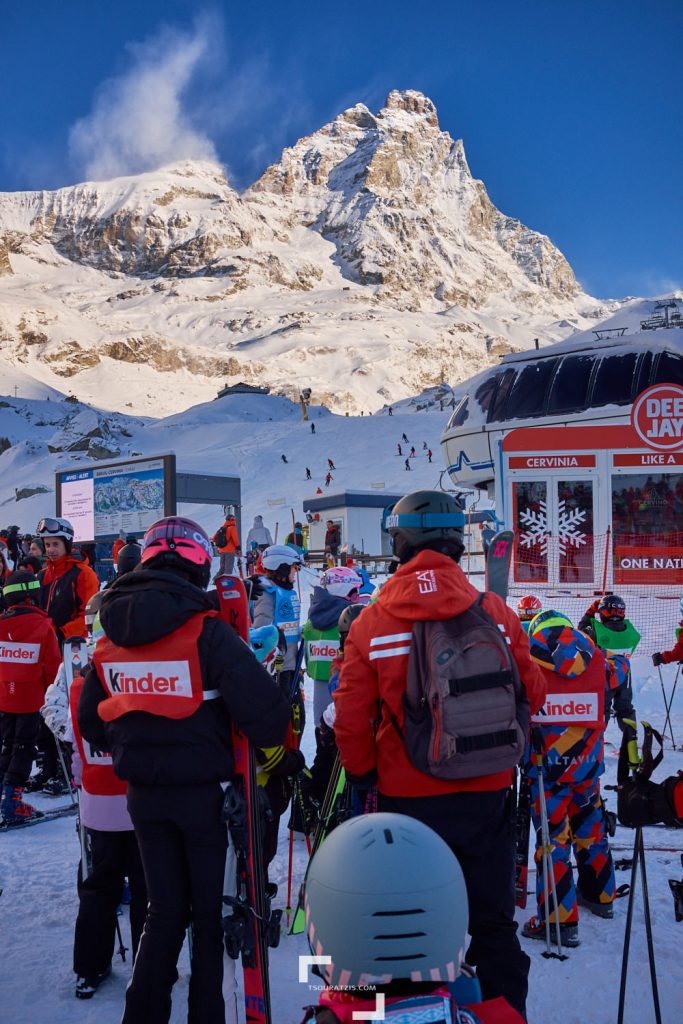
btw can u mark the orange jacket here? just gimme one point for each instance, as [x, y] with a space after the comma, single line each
[67, 584]
[116, 547]
[429, 587]
[232, 542]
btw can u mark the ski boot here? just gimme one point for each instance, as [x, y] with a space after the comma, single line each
[13, 810]
[55, 786]
[87, 985]
[535, 929]
[36, 782]
[605, 910]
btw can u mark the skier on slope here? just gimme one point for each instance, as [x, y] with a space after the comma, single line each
[112, 853]
[468, 804]
[407, 464]
[392, 868]
[571, 741]
[676, 652]
[400, 450]
[338, 588]
[175, 750]
[606, 624]
[23, 628]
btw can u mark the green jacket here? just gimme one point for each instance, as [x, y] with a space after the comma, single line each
[322, 645]
[613, 641]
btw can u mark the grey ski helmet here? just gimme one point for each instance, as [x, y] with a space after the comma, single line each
[426, 519]
[385, 898]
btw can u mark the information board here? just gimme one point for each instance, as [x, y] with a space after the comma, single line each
[100, 501]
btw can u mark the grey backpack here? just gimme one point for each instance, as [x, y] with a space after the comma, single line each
[465, 709]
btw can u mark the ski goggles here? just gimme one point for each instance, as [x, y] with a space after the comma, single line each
[53, 526]
[17, 588]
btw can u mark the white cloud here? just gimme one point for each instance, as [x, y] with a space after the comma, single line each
[141, 119]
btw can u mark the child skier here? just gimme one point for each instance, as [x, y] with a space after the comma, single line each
[528, 608]
[676, 652]
[109, 849]
[570, 731]
[614, 634]
[338, 588]
[394, 869]
[29, 660]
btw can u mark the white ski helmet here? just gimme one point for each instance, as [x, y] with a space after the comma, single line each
[49, 527]
[341, 582]
[277, 555]
[385, 898]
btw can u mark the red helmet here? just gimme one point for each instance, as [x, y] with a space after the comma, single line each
[528, 607]
[182, 542]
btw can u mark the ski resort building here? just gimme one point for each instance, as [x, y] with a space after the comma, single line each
[580, 446]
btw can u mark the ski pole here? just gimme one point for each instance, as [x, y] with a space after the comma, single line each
[627, 932]
[546, 850]
[288, 908]
[648, 932]
[62, 761]
[671, 700]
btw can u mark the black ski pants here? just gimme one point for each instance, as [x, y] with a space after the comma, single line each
[113, 857]
[18, 735]
[479, 828]
[183, 845]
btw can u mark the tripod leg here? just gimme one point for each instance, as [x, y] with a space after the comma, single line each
[648, 930]
[629, 922]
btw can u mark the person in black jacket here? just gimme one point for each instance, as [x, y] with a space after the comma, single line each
[168, 679]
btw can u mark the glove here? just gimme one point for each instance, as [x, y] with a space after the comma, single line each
[641, 802]
[591, 612]
[658, 659]
[55, 712]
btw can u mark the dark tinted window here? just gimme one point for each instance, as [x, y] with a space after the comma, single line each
[669, 369]
[460, 413]
[498, 405]
[485, 391]
[570, 384]
[527, 394]
[614, 380]
[644, 371]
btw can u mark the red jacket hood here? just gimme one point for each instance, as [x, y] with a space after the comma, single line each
[430, 586]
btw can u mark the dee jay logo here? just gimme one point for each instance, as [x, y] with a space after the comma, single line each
[154, 678]
[657, 416]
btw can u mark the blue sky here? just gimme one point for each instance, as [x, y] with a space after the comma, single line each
[570, 110]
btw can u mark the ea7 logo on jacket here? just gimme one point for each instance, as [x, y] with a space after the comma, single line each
[19, 654]
[153, 678]
[426, 581]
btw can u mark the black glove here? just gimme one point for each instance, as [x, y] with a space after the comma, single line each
[657, 659]
[641, 802]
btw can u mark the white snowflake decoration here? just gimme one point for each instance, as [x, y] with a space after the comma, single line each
[536, 532]
[567, 522]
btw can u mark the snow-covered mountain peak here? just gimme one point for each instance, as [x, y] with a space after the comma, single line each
[366, 263]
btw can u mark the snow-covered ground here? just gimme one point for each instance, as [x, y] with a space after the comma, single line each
[39, 903]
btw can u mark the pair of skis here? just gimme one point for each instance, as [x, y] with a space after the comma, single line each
[252, 926]
[498, 560]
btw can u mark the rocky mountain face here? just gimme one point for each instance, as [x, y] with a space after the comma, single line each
[367, 264]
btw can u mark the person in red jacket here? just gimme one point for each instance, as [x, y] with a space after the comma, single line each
[29, 659]
[68, 582]
[473, 814]
[676, 652]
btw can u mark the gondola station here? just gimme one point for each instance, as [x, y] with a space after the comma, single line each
[593, 489]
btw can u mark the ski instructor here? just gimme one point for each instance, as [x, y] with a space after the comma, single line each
[169, 678]
[437, 675]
